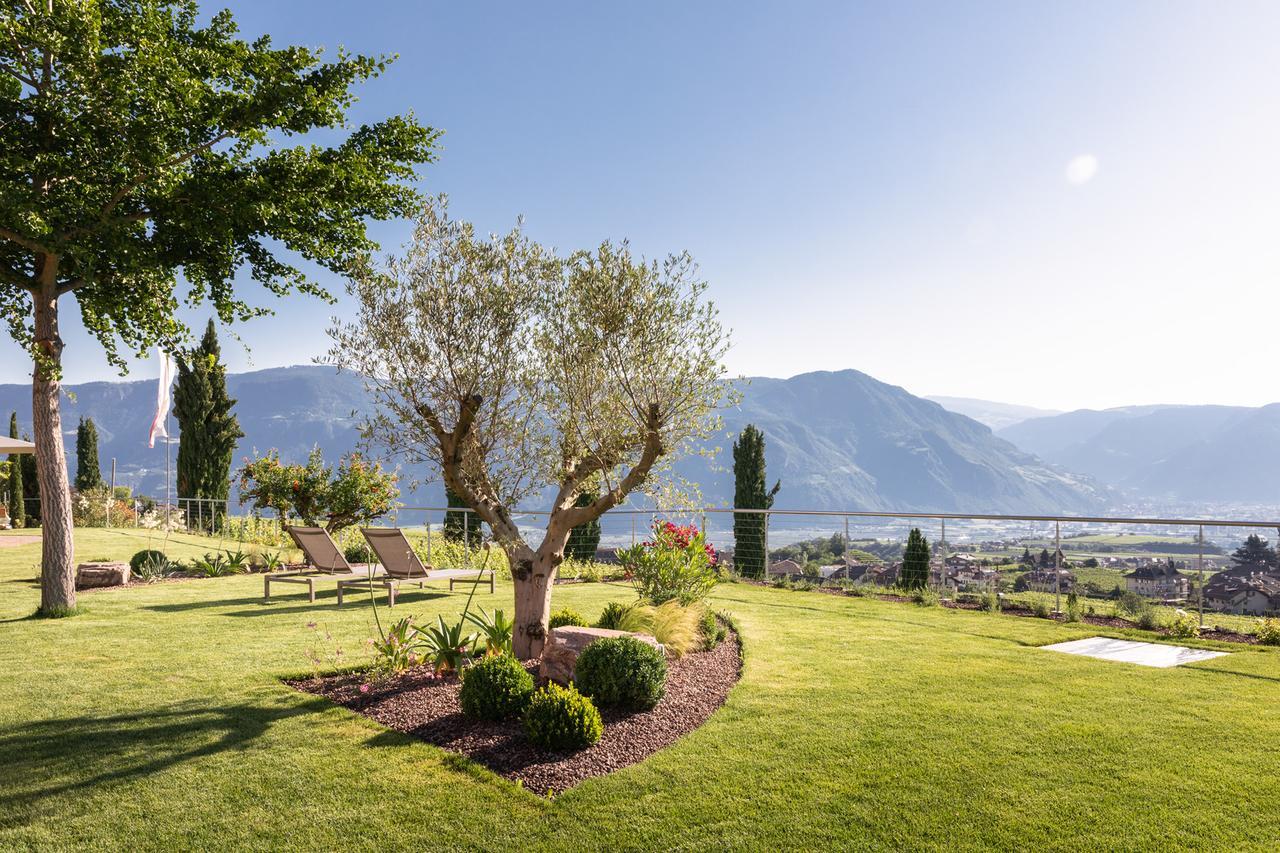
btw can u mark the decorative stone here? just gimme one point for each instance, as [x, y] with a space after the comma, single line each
[93, 575]
[560, 654]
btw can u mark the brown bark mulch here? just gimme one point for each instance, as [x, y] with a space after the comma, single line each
[427, 707]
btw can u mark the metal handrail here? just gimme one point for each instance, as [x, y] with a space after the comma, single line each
[936, 516]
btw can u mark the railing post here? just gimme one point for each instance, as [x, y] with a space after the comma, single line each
[764, 571]
[466, 536]
[1057, 565]
[428, 539]
[942, 560]
[633, 529]
[1200, 582]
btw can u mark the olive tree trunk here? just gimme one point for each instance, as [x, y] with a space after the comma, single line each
[57, 564]
[533, 573]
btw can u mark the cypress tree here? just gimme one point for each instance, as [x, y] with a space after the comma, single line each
[17, 506]
[915, 562]
[30, 486]
[584, 539]
[750, 492]
[208, 431]
[457, 522]
[88, 474]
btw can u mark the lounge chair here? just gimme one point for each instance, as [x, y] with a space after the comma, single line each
[324, 562]
[400, 563]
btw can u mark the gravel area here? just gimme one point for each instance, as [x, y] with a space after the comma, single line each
[424, 706]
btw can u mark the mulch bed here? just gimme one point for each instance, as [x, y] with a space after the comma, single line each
[426, 707]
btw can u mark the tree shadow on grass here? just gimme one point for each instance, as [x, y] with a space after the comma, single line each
[275, 606]
[51, 758]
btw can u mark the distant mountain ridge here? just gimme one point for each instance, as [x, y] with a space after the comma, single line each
[1185, 453]
[841, 440]
[845, 440]
[993, 414]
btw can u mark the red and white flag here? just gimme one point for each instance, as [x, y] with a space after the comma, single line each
[162, 398]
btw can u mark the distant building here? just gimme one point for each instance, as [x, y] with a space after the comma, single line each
[1255, 594]
[1158, 580]
[786, 568]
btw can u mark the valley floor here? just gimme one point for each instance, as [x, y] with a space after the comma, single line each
[157, 719]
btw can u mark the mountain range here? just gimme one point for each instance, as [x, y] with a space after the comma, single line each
[837, 440]
[1184, 453]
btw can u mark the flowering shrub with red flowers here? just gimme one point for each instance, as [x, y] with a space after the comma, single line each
[357, 491]
[677, 563]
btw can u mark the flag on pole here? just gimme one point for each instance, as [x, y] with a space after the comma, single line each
[162, 398]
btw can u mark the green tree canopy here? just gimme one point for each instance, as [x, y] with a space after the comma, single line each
[1254, 554]
[139, 146]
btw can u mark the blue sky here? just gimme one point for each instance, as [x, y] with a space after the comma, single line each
[1061, 205]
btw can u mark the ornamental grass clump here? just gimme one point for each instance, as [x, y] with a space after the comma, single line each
[562, 719]
[677, 563]
[622, 672]
[496, 688]
[671, 623]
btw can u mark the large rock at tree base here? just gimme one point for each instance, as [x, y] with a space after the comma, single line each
[93, 575]
[560, 654]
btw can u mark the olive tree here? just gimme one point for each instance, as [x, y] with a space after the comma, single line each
[516, 373]
[138, 146]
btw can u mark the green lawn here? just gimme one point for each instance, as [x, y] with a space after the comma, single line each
[156, 719]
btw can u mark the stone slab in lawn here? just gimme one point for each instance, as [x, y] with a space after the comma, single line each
[1130, 651]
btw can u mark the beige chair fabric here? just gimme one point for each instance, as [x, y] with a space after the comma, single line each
[319, 549]
[395, 553]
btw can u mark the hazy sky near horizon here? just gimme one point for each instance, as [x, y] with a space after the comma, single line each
[1061, 205]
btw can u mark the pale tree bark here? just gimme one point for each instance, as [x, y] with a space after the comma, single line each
[533, 574]
[57, 565]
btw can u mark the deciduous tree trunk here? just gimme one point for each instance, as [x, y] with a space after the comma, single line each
[57, 567]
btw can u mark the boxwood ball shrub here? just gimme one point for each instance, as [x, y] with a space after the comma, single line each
[622, 671]
[149, 555]
[562, 719]
[566, 616]
[496, 688]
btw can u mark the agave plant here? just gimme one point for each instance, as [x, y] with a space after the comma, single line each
[211, 566]
[237, 560]
[495, 630]
[446, 646]
[153, 568]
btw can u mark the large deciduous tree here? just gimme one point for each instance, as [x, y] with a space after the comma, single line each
[513, 372]
[137, 145]
[209, 430]
[750, 491]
